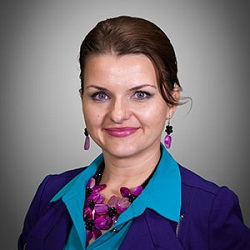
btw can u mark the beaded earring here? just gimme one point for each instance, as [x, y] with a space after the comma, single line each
[168, 138]
[87, 140]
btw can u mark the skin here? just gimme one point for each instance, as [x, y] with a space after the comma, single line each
[125, 115]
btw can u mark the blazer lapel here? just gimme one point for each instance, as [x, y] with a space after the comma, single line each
[51, 230]
[151, 231]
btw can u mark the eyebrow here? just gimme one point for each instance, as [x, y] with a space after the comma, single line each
[96, 87]
[132, 89]
[142, 86]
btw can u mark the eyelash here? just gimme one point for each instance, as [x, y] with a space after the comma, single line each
[146, 95]
[96, 96]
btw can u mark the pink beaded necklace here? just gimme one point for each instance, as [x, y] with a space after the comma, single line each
[99, 216]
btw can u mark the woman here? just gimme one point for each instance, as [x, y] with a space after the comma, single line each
[134, 195]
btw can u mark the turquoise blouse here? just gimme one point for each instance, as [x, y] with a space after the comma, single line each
[162, 194]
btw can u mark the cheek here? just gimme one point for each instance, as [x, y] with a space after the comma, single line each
[92, 117]
[156, 112]
[153, 119]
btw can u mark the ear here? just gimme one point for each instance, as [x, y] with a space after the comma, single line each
[81, 96]
[172, 108]
[81, 92]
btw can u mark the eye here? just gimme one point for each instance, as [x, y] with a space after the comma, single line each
[100, 96]
[141, 95]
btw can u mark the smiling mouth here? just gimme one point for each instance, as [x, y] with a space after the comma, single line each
[121, 132]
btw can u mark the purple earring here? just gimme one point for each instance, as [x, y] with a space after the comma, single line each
[168, 138]
[87, 140]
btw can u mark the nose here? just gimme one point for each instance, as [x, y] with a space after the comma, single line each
[119, 111]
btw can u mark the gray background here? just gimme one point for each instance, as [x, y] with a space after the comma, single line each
[41, 119]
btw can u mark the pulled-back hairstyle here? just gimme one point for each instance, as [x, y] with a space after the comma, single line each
[131, 35]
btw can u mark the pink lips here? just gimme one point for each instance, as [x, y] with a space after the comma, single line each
[121, 132]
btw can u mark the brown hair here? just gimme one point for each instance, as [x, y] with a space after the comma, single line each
[131, 35]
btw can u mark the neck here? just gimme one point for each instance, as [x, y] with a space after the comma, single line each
[130, 171]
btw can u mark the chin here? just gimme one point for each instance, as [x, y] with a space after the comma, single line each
[122, 151]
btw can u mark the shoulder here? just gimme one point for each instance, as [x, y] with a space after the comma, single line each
[65, 177]
[192, 180]
[207, 207]
[203, 193]
[202, 199]
[55, 182]
[40, 204]
[200, 190]
[49, 187]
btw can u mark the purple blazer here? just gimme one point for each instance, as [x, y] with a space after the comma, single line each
[210, 219]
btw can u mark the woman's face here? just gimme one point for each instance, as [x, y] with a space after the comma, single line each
[123, 109]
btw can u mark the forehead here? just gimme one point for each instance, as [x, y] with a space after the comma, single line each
[130, 68]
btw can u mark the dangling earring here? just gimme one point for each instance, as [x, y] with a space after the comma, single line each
[87, 140]
[168, 138]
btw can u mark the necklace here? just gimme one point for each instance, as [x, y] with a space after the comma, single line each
[99, 216]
